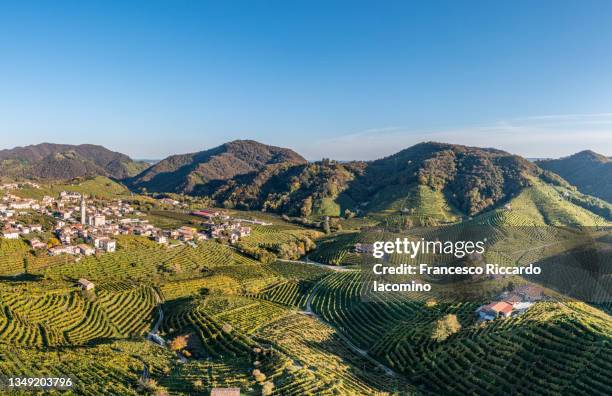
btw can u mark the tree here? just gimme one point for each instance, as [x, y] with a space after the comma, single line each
[407, 223]
[349, 214]
[179, 343]
[267, 388]
[445, 327]
[326, 225]
[259, 376]
[306, 209]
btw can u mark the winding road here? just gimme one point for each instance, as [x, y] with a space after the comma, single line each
[326, 266]
[349, 343]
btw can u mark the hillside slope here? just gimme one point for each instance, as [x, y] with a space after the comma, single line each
[468, 178]
[63, 161]
[587, 170]
[429, 183]
[201, 172]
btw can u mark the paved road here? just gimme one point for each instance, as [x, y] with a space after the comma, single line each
[153, 334]
[155, 328]
[326, 266]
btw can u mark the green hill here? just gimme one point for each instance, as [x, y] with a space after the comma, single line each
[62, 161]
[425, 185]
[587, 170]
[202, 172]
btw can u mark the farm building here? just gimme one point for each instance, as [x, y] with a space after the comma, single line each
[86, 285]
[497, 309]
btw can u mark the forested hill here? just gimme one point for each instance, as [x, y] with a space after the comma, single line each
[63, 161]
[587, 170]
[202, 172]
[470, 179]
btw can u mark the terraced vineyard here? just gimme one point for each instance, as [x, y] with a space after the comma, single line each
[335, 367]
[249, 325]
[145, 261]
[68, 317]
[538, 344]
[112, 368]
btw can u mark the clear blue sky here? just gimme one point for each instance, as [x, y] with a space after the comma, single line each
[341, 79]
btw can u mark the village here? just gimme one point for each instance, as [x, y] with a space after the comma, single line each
[82, 227]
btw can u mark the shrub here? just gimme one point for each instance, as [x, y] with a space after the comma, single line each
[179, 343]
[445, 327]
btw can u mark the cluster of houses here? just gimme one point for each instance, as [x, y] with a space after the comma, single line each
[220, 224]
[15, 186]
[13, 230]
[84, 228]
[511, 303]
[11, 205]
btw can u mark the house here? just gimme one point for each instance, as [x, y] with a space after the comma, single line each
[36, 228]
[169, 201]
[161, 239]
[64, 214]
[86, 249]
[57, 250]
[10, 233]
[37, 244]
[186, 233]
[86, 285]
[21, 205]
[97, 220]
[7, 213]
[208, 214]
[72, 249]
[494, 310]
[107, 244]
[225, 392]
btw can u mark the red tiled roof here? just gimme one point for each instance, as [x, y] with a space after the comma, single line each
[500, 306]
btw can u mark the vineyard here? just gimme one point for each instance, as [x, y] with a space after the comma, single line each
[68, 317]
[539, 344]
[295, 328]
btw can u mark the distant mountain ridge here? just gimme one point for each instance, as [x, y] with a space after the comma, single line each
[63, 161]
[430, 182]
[589, 171]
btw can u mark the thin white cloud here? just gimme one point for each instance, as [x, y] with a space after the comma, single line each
[536, 136]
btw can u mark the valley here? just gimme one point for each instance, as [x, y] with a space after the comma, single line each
[247, 266]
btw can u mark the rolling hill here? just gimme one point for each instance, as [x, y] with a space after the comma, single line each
[201, 172]
[430, 183]
[587, 170]
[50, 161]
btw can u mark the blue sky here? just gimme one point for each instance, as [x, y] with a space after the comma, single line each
[342, 79]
